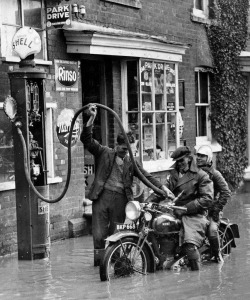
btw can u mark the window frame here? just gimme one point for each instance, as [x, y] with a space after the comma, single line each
[14, 57]
[156, 164]
[208, 137]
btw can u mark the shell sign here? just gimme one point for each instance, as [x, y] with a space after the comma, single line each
[26, 41]
[63, 127]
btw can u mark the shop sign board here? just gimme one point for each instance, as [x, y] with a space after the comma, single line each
[63, 127]
[66, 75]
[26, 41]
[89, 170]
[58, 15]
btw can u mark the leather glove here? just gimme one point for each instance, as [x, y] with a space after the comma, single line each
[168, 193]
[216, 214]
[191, 208]
[179, 213]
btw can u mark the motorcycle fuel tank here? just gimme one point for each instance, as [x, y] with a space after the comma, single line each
[166, 224]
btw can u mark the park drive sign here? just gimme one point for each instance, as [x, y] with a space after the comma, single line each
[26, 41]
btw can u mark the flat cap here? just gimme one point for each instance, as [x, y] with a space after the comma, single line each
[181, 152]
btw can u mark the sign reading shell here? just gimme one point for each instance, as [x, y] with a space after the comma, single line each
[66, 75]
[26, 41]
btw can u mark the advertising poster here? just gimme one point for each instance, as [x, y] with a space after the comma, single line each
[57, 16]
[146, 76]
[66, 75]
[148, 138]
[63, 127]
[159, 78]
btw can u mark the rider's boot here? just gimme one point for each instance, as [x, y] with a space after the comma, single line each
[193, 256]
[215, 250]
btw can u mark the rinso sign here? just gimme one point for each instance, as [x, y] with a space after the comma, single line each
[66, 75]
[26, 41]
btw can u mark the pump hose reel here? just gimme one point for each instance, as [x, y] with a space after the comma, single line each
[48, 200]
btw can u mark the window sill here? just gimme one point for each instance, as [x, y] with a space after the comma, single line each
[7, 186]
[158, 165]
[54, 180]
[199, 17]
[130, 3]
[16, 59]
[11, 185]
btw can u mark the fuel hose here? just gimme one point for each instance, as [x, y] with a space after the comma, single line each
[48, 200]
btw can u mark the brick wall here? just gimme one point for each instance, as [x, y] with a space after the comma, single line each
[165, 18]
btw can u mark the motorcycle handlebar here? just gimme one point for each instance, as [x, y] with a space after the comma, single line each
[159, 206]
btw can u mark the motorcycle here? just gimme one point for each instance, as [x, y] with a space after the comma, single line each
[151, 239]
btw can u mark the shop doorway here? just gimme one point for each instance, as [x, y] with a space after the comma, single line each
[94, 91]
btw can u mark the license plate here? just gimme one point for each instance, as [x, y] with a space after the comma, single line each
[122, 227]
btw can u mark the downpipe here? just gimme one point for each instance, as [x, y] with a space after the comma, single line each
[49, 200]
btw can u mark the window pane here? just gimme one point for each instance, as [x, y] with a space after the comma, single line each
[202, 121]
[6, 149]
[199, 4]
[170, 86]
[148, 142]
[32, 10]
[203, 87]
[7, 34]
[14, 13]
[146, 76]
[147, 102]
[160, 136]
[159, 78]
[196, 88]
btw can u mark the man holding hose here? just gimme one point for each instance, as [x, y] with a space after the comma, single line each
[112, 186]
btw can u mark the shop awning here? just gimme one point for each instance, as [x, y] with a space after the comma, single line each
[83, 38]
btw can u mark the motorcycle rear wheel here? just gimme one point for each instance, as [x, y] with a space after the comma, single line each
[225, 243]
[117, 260]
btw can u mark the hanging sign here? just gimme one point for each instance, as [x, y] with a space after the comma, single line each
[26, 41]
[63, 127]
[58, 15]
[66, 75]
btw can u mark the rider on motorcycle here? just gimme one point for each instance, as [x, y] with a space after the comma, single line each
[197, 196]
[222, 194]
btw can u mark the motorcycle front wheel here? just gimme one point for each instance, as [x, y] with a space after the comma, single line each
[122, 259]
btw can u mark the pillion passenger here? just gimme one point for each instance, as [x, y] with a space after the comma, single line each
[222, 195]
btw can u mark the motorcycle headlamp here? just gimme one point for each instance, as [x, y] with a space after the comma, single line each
[148, 216]
[133, 210]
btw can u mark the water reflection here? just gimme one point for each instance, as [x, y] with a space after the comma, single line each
[69, 273]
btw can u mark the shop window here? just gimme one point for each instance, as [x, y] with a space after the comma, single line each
[21, 13]
[151, 108]
[202, 103]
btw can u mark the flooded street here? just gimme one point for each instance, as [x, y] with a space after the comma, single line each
[69, 273]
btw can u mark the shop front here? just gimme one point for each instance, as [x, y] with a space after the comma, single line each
[137, 76]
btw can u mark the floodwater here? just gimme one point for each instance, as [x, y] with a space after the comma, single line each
[69, 273]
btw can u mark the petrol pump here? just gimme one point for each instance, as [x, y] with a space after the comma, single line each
[27, 86]
[26, 110]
